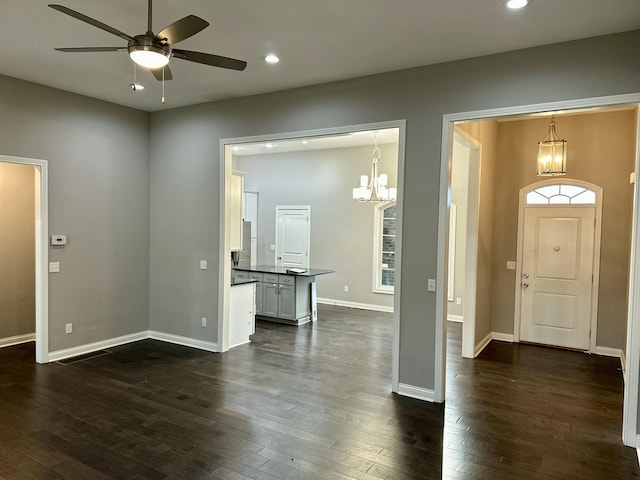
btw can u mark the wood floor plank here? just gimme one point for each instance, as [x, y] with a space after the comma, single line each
[311, 402]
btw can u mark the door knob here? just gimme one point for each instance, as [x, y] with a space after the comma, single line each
[526, 275]
[525, 285]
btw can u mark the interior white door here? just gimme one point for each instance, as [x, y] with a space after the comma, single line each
[293, 228]
[557, 276]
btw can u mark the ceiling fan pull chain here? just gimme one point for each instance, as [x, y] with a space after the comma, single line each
[163, 85]
[135, 83]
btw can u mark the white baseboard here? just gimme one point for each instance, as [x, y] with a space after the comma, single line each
[362, 306]
[134, 337]
[638, 447]
[418, 393]
[454, 318]
[186, 341]
[92, 347]
[482, 344]
[501, 337]
[17, 340]
[608, 352]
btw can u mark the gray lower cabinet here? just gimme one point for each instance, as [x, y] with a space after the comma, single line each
[284, 298]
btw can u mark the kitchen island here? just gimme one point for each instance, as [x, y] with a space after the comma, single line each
[282, 295]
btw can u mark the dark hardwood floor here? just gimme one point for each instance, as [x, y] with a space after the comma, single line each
[310, 402]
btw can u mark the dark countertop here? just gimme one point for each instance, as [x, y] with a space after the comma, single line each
[243, 281]
[311, 272]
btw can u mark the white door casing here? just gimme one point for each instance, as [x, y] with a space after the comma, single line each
[557, 273]
[293, 236]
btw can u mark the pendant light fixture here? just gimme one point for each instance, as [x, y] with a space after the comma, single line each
[375, 189]
[552, 154]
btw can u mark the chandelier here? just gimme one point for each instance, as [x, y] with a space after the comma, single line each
[375, 189]
[552, 154]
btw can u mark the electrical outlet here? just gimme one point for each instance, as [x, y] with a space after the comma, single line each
[54, 267]
[203, 265]
[204, 321]
[511, 265]
[346, 288]
[458, 301]
[68, 328]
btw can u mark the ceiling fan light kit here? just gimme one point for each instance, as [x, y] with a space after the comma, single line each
[148, 55]
[155, 51]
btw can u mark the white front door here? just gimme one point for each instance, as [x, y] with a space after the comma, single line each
[293, 227]
[557, 276]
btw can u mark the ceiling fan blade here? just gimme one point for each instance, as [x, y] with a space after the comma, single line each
[92, 21]
[182, 29]
[157, 72]
[209, 59]
[90, 49]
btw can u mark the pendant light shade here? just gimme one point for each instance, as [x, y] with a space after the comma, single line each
[552, 154]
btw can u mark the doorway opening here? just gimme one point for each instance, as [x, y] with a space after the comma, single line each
[40, 258]
[503, 288]
[364, 135]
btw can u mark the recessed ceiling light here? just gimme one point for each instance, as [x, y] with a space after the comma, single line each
[516, 4]
[272, 58]
[136, 87]
[269, 145]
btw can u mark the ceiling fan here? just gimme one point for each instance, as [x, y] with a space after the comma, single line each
[154, 51]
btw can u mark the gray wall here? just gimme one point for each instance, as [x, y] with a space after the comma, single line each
[98, 158]
[341, 229]
[185, 165]
[17, 250]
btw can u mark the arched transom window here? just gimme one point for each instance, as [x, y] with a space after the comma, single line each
[561, 195]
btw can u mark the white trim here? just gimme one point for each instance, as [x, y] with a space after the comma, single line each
[638, 447]
[362, 306]
[185, 341]
[502, 337]
[41, 253]
[497, 336]
[95, 346]
[597, 237]
[482, 345]
[224, 275]
[630, 406]
[608, 352]
[632, 350]
[17, 340]
[471, 239]
[133, 337]
[623, 365]
[378, 223]
[418, 393]
[454, 318]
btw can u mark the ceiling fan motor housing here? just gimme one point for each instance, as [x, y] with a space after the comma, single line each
[147, 52]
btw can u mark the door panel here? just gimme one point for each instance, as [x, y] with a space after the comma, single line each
[292, 238]
[557, 271]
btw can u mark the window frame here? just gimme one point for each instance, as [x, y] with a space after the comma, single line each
[378, 223]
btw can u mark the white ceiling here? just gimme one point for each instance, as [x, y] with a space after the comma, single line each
[318, 41]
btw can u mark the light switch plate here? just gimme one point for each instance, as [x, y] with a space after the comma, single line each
[431, 284]
[203, 265]
[511, 265]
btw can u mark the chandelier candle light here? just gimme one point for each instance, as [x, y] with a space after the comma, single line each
[552, 154]
[375, 189]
